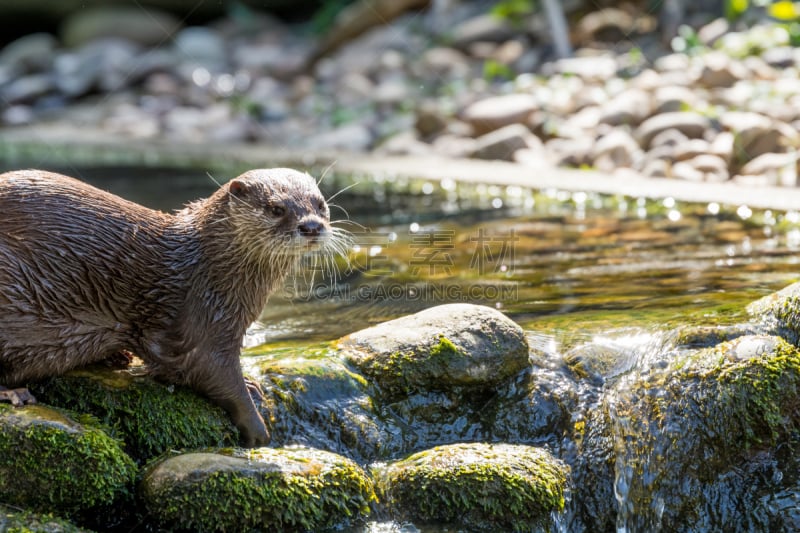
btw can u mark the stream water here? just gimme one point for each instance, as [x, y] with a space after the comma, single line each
[569, 267]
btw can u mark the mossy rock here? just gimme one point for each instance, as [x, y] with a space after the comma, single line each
[289, 489]
[51, 460]
[707, 425]
[439, 349]
[492, 487]
[14, 521]
[150, 417]
[779, 313]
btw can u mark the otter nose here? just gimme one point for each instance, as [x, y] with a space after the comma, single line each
[310, 228]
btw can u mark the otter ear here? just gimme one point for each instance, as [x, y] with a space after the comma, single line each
[237, 187]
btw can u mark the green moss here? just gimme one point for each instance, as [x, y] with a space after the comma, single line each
[446, 349]
[416, 370]
[754, 399]
[149, 417]
[49, 461]
[489, 487]
[271, 490]
[13, 521]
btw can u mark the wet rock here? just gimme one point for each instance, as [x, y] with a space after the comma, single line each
[499, 487]
[53, 460]
[264, 488]
[447, 346]
[145, 26]
[32, 53]
[718, 419]
[540, 406]
[149, 417]
[313, 399]
[690, 124]
[498, 111]
[502, 143]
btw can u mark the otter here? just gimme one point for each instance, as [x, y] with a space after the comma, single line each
[85, 274]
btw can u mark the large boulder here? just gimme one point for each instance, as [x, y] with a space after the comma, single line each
[701, 436]
[441, 348]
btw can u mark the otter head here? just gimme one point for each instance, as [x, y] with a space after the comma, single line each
[278, 212]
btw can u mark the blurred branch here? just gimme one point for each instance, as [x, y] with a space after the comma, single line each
[558, 23]
[359, 17]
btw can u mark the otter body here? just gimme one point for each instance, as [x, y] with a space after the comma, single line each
[85, 274]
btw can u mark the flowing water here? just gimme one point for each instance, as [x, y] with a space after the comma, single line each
[573, 269]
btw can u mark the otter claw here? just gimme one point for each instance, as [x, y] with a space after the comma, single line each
[255, 390]
[17, 397]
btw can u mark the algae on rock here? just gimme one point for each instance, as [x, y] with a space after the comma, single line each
[699, 437]
[481, 486]
[447, 346]
[54, 461]
[151, 418]
[289, 489]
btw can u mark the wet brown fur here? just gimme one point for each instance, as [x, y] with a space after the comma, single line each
[85, 274]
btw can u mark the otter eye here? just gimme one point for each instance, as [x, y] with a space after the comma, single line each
[321, 206]
[277, 210]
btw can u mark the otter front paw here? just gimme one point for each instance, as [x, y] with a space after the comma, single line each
[17, 397]
[254, 434]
